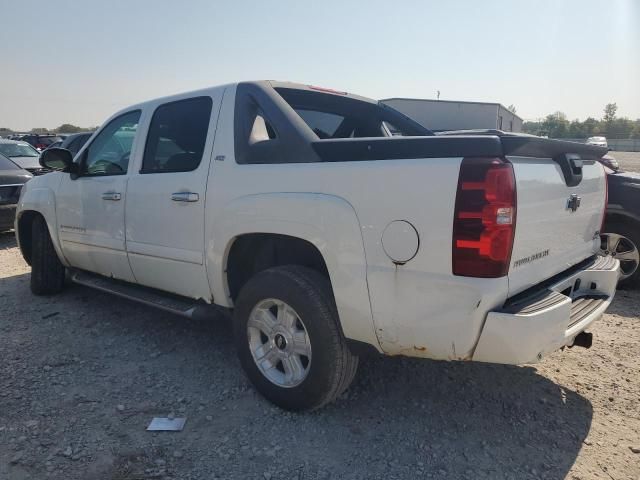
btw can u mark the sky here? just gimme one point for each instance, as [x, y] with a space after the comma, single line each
[79, 62]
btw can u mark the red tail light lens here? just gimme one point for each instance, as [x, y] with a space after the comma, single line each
[484, 218]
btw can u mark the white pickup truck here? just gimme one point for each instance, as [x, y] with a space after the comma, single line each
[327, 236]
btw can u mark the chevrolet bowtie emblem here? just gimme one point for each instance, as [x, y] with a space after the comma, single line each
[573, 203]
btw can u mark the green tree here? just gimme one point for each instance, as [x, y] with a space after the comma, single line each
[577, 129]
[556, 125]
[68, 128]
[532, 128]
[620, 128]
[591, 127]
[39, 130]
[610, 111]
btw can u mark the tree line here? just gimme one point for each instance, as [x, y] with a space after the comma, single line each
[64, 128]
[556, 125]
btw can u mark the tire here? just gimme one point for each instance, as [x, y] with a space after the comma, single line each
[331, 365]
[47, 273]
[632, 232]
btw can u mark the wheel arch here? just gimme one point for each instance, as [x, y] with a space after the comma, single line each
[24, 224]
[37, 201]
[621, 217]
[324, 227]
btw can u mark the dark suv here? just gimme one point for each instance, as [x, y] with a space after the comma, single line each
[41, 141]
[75, 142]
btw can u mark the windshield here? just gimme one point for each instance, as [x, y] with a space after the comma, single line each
[6, 164]
[18, 150]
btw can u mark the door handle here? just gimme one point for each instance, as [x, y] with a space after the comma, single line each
[111, 196]
[185, 197]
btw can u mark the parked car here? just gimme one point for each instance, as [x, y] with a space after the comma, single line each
[56, 144]
[24, 155]
[75, 142]
[622, 225]
[41, 141]
[610, 162]
[328, 237]
[598, 142]
[12, 178]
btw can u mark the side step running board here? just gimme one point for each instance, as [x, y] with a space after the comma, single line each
[168, 302]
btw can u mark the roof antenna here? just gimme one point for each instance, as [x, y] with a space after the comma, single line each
[438, 94]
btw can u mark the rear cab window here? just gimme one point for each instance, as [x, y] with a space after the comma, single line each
[338, 115]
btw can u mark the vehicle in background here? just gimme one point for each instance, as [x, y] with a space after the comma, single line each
[329, 236]
[75, 142]
[622, 225]
[54, 145]
[40, 142]
[610, 162]
[23, 155]
[598, 142]
[12, 178]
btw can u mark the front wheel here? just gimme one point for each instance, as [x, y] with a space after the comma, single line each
[47, 272]
[289, 340]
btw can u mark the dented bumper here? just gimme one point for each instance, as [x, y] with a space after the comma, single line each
[532, 325]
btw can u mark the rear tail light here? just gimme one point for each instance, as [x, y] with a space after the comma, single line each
[41, 146]
[484, 218]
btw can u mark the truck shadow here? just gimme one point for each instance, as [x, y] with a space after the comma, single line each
[402, 417]
[470, 419]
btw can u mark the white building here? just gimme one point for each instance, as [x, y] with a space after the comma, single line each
[438, 115]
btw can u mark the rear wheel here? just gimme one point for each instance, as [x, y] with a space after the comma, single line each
[622, 242]
[289, 340]
[47, 273]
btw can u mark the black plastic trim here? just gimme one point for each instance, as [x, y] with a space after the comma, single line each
[530, 146]
[536, 292]
[534, 303]
[293, 136]
[365, 149]
[584, 306]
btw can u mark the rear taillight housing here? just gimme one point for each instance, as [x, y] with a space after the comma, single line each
[484, 219]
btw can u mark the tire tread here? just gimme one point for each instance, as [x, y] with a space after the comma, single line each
[47, 272]
[318, 289]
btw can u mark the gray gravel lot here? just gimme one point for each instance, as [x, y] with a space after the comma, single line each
[628, 160]
[83, 373]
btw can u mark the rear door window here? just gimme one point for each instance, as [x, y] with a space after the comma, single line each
[177, 136]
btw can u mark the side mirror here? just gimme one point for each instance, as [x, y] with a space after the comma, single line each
[58, 159]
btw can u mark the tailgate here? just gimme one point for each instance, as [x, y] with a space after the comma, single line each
[560, 204]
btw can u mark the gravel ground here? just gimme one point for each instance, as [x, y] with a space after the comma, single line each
[629, 161]
[83, 373]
